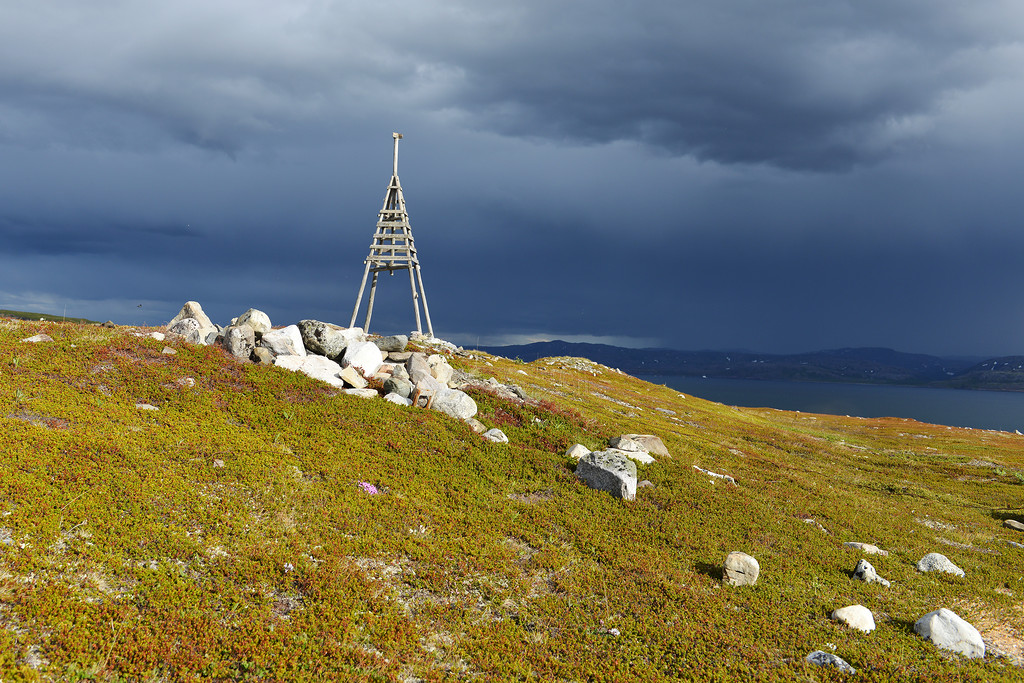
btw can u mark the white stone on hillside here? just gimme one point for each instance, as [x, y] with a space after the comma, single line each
[364, 356]
[609, 471]
[455, 403]
[864, 571]
[740, 569]
[855, 616]
[642, 457]
[440, 369]
[284, 342]
[362, 393]
[626, 444]
[38, 338]
[715, 474]
[650, 443]
[949, 632]
[256, 319]
[188, 329]
[937, 562]
[495, 435]
[577, 451]
[317, 367]
[399, 399]
[866, 548]
[239, 340]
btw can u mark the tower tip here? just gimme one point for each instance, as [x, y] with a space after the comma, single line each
[397, 136]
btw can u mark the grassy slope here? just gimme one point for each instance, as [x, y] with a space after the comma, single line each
[134, 557]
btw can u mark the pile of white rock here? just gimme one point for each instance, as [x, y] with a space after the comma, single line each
[344, 357]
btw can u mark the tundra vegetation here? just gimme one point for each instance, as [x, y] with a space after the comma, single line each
[261, 525]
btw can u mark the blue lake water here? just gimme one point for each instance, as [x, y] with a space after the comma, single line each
[1002, 410]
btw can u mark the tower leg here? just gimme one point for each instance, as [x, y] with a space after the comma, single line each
[426, 311]
[359, 297]
[369, 305]
[415, 303]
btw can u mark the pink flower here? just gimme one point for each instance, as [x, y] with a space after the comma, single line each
[369, 488]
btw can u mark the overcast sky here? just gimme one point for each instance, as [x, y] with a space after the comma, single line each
[779, 176]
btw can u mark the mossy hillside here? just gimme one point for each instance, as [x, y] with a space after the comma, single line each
[136, 556]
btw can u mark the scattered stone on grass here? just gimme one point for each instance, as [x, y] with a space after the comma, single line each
[5, 537]
[855, 616]
[646, 483]
[495, 435]
[949, 632]
[1013, 524]
[715, 474]
[647, 442]
[577, 451]
[146, 406]
[218, 463]
[168, 351]
[820, 658]
[937, 562]
[317, 367]
[455, 403]
[187, 329]
[865, 572]
[866, 548]
[398, 399]
[608, 471]
[204, 326]
[474, 424]
[361, 393]
[740, 569]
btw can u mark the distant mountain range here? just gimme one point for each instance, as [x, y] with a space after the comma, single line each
[859, 365]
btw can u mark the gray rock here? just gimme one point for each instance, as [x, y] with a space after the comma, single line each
[949, 632]
[476, 425]
[146, 406]
[239, 340]
[1013, 524]
[417, 367]
[642, 457]
[257, 320]
[284, 342]
[495, 435]
[193, 310]
[395, 343]
[866, 548]
[937, 562]
[855, 616]
[820, 658]
[608, 471]
[577, 451]
[262, 356]
[397, 385]
[325, 339]
[740, 569]
[399, 356]
[865, 572]
[396, 398]
[168, 351]
[187, 329]
[455, 403]
[363, 356]
[399, 372]
[5, 537]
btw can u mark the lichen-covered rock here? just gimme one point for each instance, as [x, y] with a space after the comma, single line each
[740, 569]
[865, 571]
[949, 632]
[257, 320]
[239, 340]
[608, 471]
[417, 368]
[397, 385]
[937, 562]
[866, 548]
[187, 329]
[328, 340]
[821, 658]
[440, 369]
[396, 398]
[855, 616]
[395, 343]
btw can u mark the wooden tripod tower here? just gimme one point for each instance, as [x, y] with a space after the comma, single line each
[393, 249]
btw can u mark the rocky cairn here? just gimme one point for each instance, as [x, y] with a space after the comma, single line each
[344, 357]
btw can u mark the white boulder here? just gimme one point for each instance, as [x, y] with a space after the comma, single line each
[937, 562]
[284, 342]
[949, 632]
[855, 616]
[608, 471]
[363, 356]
